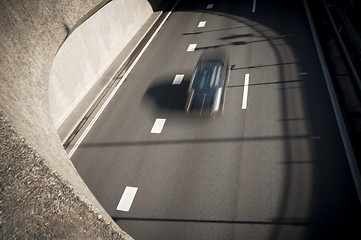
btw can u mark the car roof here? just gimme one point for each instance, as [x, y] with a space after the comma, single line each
[207, 75]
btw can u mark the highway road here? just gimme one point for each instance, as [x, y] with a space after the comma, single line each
[273, 167]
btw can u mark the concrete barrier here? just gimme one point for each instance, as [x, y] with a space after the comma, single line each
[89, 51]
[41, 194]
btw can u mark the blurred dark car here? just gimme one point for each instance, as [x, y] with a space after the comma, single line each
[206, 89]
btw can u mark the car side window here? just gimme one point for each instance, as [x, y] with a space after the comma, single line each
[192, 80]
[202, 77]
[218, 76]
[207, 77]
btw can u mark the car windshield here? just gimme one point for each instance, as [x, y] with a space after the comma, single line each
[207, 77]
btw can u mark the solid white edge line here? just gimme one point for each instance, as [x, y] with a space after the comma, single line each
[254, 6]
[127, 199]
[245, 91]
[178, 79]
[158, 125]
[75, 147]
[336, 108]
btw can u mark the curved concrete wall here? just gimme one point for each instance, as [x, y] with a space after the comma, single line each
[41, 194]
[89, 51]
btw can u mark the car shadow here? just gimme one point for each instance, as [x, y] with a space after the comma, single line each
[167, 95]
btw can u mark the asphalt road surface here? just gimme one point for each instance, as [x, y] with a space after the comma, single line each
[273, 167]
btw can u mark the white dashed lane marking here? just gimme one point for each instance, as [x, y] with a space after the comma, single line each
[178, 79]
[245, 91]
[191, 47]
[127, 199]
[158, 125]
[202, 24]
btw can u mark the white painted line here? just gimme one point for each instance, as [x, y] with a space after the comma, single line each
[202, 24]
[178, 79]
[158, 125]
[191, 47]
[209, 6]
[127, 199]
[245, 91]
[76, 145]
[254, 6]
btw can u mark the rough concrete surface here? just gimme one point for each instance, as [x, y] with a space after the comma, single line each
[42, 195]
[35, 203]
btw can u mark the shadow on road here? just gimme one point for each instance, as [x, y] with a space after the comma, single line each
[169, 96]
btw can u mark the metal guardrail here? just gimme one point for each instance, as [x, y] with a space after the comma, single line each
[347, 39]
[351, 157]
